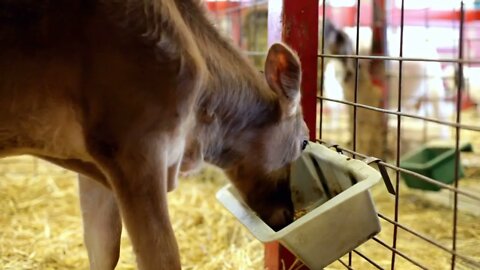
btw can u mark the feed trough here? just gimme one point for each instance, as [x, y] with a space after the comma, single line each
[333, 190]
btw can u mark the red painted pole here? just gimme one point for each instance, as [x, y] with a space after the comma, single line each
[295, 22]
[300, 31]
[379, 28]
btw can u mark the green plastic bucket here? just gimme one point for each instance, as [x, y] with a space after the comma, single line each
[435, 162]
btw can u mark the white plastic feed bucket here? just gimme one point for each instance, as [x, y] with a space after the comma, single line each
[335, 190]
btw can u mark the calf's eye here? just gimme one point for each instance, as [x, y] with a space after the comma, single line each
[304, 144]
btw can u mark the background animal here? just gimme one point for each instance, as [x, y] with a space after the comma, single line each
[370, 125]
[423, 91]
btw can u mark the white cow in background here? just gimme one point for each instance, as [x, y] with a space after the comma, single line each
[332, 89]
[423, 90]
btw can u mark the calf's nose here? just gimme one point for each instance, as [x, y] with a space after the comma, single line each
[280, 218]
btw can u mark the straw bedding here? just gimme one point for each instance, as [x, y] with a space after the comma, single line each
[41, 226]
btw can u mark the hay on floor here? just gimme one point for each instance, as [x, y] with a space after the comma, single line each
[41, 226]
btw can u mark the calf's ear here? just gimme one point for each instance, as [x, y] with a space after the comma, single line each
[283, 74]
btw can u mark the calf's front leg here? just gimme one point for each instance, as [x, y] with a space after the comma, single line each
[102, 225]
[138, 175]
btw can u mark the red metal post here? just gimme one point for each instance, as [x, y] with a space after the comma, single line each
[300, 31]
[295, 22]
[379, 29]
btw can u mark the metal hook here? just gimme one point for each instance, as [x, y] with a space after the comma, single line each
[383, 172]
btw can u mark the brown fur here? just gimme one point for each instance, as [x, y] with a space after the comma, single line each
[120, 90]
[371, 125]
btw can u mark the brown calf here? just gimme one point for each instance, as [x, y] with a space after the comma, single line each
[121, 91]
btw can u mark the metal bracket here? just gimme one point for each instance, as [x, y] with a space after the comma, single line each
[383, 172]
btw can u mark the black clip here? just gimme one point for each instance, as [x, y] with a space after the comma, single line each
[383, 172]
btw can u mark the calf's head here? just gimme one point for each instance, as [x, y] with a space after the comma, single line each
[264, 152]
[262, 175]
[256, 142]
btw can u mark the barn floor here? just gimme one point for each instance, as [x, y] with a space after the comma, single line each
[42, 229]
[41, 226]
